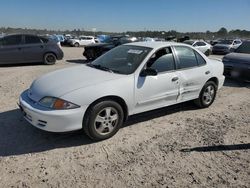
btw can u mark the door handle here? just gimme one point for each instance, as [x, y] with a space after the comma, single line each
[41, 46]
[208, 72]
[175, 79]
[19, 48]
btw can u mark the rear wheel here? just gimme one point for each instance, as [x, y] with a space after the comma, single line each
[103, 120]
[49, 59]
[207, 95]
[76, 44]
[208, 53]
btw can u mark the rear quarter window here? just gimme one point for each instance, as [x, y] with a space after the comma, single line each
[200, 60]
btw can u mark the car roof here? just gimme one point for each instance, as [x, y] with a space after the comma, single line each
[155, 44]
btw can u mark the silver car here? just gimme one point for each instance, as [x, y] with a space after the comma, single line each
[226, 46]
[22, 48]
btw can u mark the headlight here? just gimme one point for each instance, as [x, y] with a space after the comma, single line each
[57, 104]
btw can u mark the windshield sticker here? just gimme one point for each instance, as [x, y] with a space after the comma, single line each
[131, 51]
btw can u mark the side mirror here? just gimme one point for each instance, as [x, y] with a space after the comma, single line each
[148, 72]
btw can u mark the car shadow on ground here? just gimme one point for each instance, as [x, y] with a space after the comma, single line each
[18, 137]
[78, 61]
[229, 82]
[218, 148]
[21, 64]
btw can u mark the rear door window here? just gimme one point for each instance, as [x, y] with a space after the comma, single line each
[186, 57]
[32, 40]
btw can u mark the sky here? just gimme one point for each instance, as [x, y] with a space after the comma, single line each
[126, 15]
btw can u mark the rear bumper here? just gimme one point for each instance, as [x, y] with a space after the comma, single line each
[221, 81]
[237, 72]
[60, 55]
[221, 51]
[51, 120]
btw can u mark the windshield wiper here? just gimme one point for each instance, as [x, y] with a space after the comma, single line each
[100, 67]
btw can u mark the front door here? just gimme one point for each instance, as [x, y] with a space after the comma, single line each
[10, 49]
[153, 92]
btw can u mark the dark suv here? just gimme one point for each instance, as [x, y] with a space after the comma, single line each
[22, 48]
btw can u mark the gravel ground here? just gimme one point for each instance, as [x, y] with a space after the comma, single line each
[177, 146]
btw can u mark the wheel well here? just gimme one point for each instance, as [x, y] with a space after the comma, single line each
[50, 52]
[117, 99]
[215, 80]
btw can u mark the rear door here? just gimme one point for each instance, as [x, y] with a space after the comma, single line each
[10, 49]
[33, 49]
[193, 72]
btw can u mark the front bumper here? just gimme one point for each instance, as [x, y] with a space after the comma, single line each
[50, 120]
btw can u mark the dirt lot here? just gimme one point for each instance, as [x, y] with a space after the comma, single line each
[178, 146]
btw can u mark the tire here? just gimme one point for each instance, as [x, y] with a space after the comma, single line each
[103, 120]
[76, 44]
[208, 53]
[89, 54]
[49, 58]
[207, 95]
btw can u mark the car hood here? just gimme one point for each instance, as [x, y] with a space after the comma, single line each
[61, 82]
[237, 58]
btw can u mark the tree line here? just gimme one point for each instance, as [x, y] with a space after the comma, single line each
[208, 35]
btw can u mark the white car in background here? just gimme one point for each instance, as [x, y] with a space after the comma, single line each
[129, 79]
[82, 41]
[201, 45]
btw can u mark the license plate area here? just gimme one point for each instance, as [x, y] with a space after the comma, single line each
[27, 116]
[235, 73]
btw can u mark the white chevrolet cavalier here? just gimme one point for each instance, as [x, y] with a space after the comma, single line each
[129, 79]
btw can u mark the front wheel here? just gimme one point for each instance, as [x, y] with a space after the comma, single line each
[103, 120]
[207, 95]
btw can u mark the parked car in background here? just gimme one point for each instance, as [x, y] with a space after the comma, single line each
[226, 46]
[61, 38]
[82, 41]
[129, 79]
[201, 45]
[237, 64]
[67, 41]
[148, 39]
[93, 51]
[22, 48]
[214, 42]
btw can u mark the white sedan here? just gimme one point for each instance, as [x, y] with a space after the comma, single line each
[127, 80]
[201, 45]
[82, 41]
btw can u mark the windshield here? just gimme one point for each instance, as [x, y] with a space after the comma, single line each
[244, 48]
[123, 59]
[190, 42]
[225, 42]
